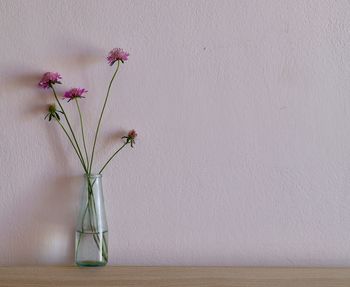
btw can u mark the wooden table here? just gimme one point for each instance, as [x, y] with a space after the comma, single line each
[174, 276]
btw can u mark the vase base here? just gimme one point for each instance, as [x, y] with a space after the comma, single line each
[88, 263]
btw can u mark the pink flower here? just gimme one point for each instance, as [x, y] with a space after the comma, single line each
[130, 138]
[49, 79]
[74, 93]
[117, 54]
[132, 134]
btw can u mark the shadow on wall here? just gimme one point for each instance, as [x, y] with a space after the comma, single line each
[47, 222]
[47, 210]
[47, 219]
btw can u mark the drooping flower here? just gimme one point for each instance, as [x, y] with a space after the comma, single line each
[74, 93]
[53, 113]
[49, 79]
[117, 54]
[130, 138]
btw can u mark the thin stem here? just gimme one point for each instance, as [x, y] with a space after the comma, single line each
[70, 128]
[93, 210]
[65, 131]
[99, 121]
[112, 157]
[82, 133]
[90, 190]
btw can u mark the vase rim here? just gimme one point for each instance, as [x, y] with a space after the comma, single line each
[93, 175]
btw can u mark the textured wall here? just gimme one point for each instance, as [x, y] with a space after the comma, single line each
[243, 112]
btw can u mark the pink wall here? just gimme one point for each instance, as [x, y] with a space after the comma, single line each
[243, 111]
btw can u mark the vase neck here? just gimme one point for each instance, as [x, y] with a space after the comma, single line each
[93, 176]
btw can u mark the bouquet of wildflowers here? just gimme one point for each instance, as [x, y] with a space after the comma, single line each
[50, 79]
[90, 215]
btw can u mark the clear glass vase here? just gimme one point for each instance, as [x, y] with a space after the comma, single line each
[91, 241]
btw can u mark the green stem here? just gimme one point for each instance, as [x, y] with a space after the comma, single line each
[112, 157]
[82, 132]
[90, 192]
[70, 128]
[91, 209]
[75, 149]
[99, 121]
[97, 241]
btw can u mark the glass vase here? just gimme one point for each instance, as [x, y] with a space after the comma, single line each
[91, 241]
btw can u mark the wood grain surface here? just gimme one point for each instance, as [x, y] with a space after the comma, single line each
[173, 276]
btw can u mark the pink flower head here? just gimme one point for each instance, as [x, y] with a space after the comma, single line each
[130, 138]
[132, 134]
[74, 93]
[49, 79]
[117, 54]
